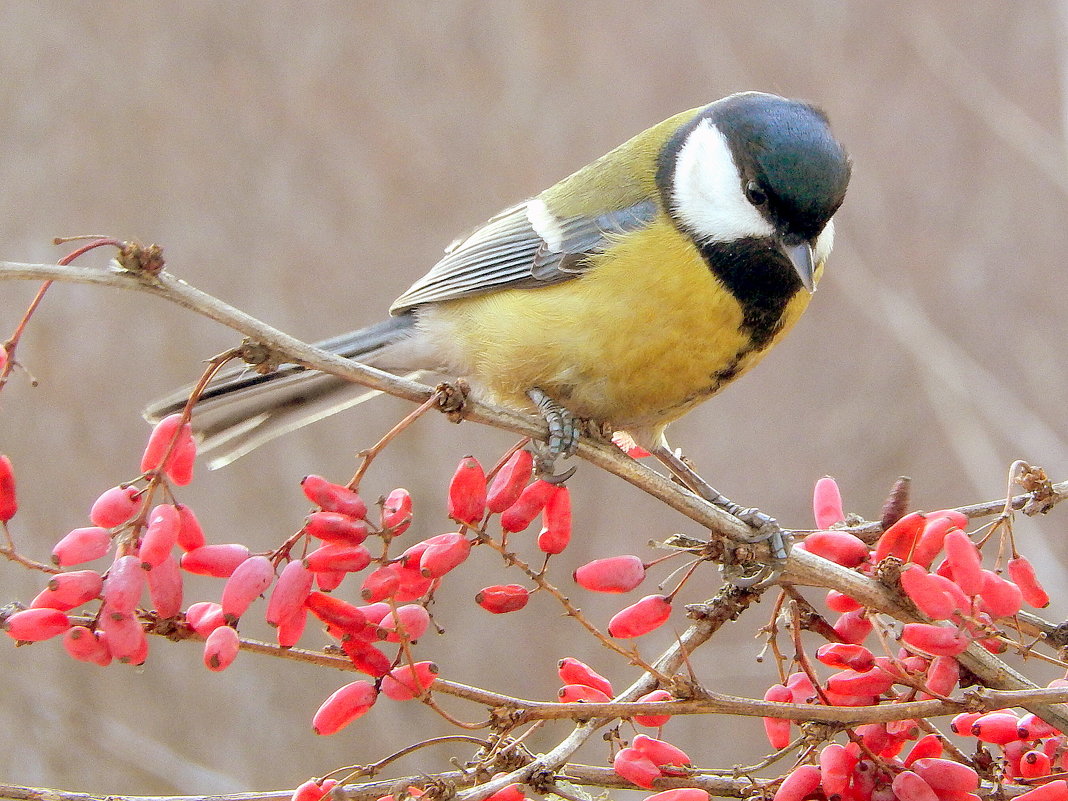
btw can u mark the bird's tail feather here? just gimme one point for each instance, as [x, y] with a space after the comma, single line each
[241, 410]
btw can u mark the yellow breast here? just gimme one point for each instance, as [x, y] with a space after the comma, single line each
[639, 339]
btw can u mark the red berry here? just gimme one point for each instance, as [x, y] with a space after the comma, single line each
[34, 625]
[942, 675]
[556, 517]
[160, 535]
[654, 721]
[381, 583]
[997, 727]
[572, 671]
[964, 559]
[838, 602]
[204, 617]
[123, 585]
[179, 467]
[289, 593]
[291, 628]
[932, 538]
[510, 792]
[502, 598]
[190, 534]
[397, 512]
[641, 617]
[799, 784]
[467, 492]
[335, 612]
[839, 547]
[1023, 573]
[366, 658]
[836, 769]
[219, 561]
[1051, 791]
[614, 574]
[926, 594]
[344, 706]
[802, 691]
[220, 648]
[1034, 764]
[778, 729]
[114, 507]
[873, 682]
[509, 482]
[853, 627]
[333, 497]
[531, 501]
[936, 640]
[900, 538]
[313, 791]
[81, 545]
[329, 580]
[125, 637]
[165, 587]
[336, 527]
[999, 597]
[1032, 727]
[65, 591]
[926, 747]
[846, 655]
[636, 767]
[827, 503]
[248, 582]
[574, 693]
[663, 754]
[945, 776]
[448, 552]
[159, 441]
[8, 501]
[961, 725]
[410, 620]
[908, 786]
[407, 681]
[346, 558]
[87, 646]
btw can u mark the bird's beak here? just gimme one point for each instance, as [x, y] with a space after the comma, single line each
[800, 256]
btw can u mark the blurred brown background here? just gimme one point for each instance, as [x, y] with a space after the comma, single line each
[306, 162]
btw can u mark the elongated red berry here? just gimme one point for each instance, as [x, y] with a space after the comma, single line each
[165, 587]
[467, 492]
[531, 501]
[366, 658]
[160, 536]
[1034, 764]
[314, 791]
[344, 706]
[827, 503]
[928, 746]
[220, 648]
[802, 691]
[839, 602]
[179, 468]
[336, 527]
[614, 574]
[663, 754]
[181, 455]
[332, 497]
[572, 671]
[1023, 574]
[291, 629]
[836, 769]
[397, 512]
[926, 594]
[936, 640]
[946, 776]
[219, 561]
[204, 617]
[289, 593]
[1051, 791]
[932, 538]
[502, 598]
[909, 786]
[799, 784]
[871, 682]
[778, 729]
[575, 693]
[410, 621]
[510, 792]
[329, 580]
[123, 585]
[509, 482]
[839, 547]
[942, 675]
[680, 794]
[34, 625]
[86, 646]
[556, 517]
[636, 767]
[336, 612]
[1032, 727]
[450, 551]
[999, 597]
[961, 725]
[853, 627]
[247, 583]
[8, 500]
[114, 507]
[381, 583]
[190, 534]
[346, 558]
[65, 591]
[900, 538]
[846, 655]
[407, 681]
[641, 617]
[125, 637]
[653, 721]
[964, 559]
[997, 727]
[81, 545]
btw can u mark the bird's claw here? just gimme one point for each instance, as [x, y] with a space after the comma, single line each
[564, 433]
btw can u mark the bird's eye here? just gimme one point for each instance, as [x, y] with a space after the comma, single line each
[755, 195]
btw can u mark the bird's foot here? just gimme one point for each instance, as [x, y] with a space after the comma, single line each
[764, 527]
[564, 432]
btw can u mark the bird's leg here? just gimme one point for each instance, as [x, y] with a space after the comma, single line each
[764, 527]
[564, 432]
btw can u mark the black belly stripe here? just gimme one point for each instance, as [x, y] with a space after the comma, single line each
[760, 277]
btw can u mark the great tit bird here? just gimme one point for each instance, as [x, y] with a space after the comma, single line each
[628, 293]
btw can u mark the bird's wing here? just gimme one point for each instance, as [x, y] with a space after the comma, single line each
[521, 247]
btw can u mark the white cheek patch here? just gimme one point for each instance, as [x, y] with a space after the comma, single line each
[545, 224]
[708, 190]
[824, 242]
